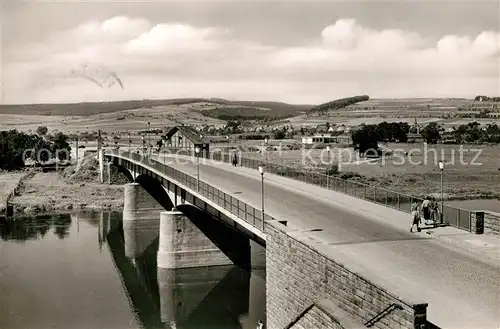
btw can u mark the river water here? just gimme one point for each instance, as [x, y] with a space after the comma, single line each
[87, 271]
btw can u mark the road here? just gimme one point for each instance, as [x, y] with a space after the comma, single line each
[462, 290]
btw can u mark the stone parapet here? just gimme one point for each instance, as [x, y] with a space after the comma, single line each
[301, 273]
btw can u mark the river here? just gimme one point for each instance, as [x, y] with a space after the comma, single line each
[476, 204]
[86, 271]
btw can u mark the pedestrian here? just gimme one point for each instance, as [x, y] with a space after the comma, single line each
[235, 160]
[415, 217]
[435, 212]
[426, 210]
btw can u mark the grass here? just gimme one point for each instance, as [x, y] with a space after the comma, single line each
[461, 181]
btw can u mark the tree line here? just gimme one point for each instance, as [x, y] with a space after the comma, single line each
[486, 98]
[17, 146]
[368, 137]
[339, 103]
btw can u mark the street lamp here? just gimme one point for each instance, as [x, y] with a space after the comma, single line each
[197, 151]
[441, 168]
[164, 139]
[262, 170]
[327, 166]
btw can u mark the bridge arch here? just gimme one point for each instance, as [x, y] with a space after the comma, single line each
[156, 190]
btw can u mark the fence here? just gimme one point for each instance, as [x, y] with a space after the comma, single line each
[236, 207]
[453, 216]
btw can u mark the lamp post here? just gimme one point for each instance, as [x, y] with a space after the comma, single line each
[201, 138]
[262, 170]
[327, 166]
[441, 168]
[164, 147]
[197, 151]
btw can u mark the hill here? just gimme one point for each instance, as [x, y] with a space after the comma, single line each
[90, 108]
[248, 108]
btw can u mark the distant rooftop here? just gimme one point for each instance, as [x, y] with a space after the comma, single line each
[192, 134]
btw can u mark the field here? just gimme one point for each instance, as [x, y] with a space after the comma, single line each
[134, 115]
[416, 174]
[374, 111]
[124, 117]
[121, 121]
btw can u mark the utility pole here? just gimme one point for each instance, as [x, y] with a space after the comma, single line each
[76, 151]
[100, 156]
[441, 168]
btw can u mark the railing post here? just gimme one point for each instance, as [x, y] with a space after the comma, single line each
[328, 182]
[399, 201]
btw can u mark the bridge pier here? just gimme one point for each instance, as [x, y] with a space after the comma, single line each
[191, 295]
[140, 219]
[183, 245]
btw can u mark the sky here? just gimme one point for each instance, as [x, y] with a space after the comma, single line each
[295, 52]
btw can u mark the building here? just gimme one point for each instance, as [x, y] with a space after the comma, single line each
[327, 139]
[187, 139]
[415, 138]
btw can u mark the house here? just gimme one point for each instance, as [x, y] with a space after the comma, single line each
[415, 138]
[325, 138]
[187, 139]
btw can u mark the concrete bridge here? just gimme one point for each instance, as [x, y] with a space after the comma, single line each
[178, 298]
[332, 261]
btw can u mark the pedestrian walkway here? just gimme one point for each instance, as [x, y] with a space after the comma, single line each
[484, 246]
[459, 283]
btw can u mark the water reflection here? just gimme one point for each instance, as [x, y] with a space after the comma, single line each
[23, 229]
[94, 263]
[216, 297]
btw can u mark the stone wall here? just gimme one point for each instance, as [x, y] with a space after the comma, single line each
[492, 223]
[299, 273]
[325, 315]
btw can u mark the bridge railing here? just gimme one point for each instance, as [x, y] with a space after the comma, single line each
[453, 216]
[235, 206]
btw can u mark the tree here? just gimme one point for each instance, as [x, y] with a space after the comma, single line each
[366, 138]
[61, 144]
[431, 133]
[279, 134]
[42, 130]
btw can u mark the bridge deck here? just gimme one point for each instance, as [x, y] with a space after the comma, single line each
[461, 287]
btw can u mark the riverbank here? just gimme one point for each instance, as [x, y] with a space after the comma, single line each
[8, 183]
[49, 193]
[77, 188]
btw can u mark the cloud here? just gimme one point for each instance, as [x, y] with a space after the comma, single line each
[346, 58]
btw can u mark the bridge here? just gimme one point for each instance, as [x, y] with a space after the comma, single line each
[331, 259]
[180, 298]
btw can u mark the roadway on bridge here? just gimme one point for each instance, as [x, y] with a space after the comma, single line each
[462, 290]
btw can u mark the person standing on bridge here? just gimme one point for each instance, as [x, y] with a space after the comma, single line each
[426, 209]
[235, 160]
[415, 217]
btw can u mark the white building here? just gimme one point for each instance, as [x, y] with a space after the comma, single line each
[326, 139]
